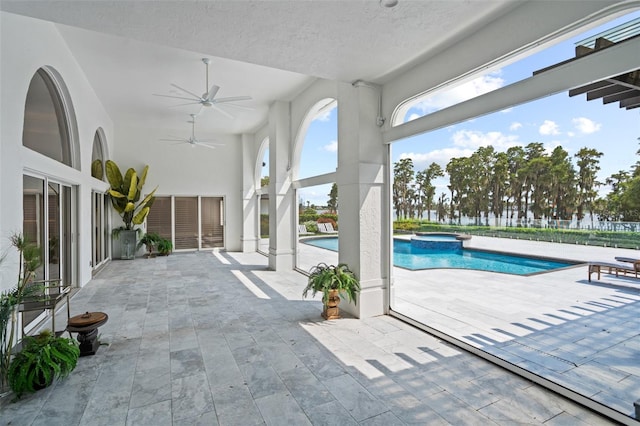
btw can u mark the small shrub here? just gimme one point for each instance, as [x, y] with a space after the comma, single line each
[311, 226]
[308, 217]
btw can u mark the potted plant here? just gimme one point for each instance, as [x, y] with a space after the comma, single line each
[150, 241]
[164, 247]
[332, 280]
[125, 193]
[42, 359]
[28, 262]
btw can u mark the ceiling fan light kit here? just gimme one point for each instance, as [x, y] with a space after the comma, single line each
[208, 98]
[192, 140]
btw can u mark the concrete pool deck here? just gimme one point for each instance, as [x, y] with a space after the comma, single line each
[583, 335]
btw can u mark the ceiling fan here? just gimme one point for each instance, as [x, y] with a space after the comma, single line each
[208, 98]
[193, 141]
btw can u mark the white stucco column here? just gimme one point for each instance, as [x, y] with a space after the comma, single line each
[249, 237]
[361, 180]
[281, 250]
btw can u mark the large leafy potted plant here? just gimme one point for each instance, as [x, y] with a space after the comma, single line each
[331, 281]
[28, 262]
[42, 359]
[126, 194]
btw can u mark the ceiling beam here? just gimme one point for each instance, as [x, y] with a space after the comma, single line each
[620, 96]
[630, 103]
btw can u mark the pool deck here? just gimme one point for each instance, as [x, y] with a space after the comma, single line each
[217, 339]
[583, 335]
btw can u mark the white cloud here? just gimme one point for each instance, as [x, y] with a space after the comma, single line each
[463, 92]
[414, 116]
[550, 146]
[506, 111]
[465, 142]
[515, 126]
[571, 134]
[323, 116]
[549, 128]
[585, 125]
[331, 146]
[474, 139]
[441, 156]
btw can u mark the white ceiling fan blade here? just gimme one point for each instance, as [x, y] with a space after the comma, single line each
[173, 140]
[188, 103]
[186, 91]
[206, 146]
[176, 97]
[246, 108]
[232, 99]
[212, 93]
[223, 112]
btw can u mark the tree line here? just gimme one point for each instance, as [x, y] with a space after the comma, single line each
[510, 184]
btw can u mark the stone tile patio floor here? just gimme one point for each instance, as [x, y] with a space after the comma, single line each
[202, 339]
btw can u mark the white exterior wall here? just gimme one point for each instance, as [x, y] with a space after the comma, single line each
[27, 45]
[183, 170]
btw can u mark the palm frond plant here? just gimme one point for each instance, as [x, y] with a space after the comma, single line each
[332, 280]
[42, 359]
[28, 262]
[150, 240]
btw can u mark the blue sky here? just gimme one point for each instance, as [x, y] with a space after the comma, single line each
[556, 120]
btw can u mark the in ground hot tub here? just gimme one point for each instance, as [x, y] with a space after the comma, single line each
[438, 241]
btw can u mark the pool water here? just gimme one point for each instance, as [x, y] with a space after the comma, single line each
[408, 256]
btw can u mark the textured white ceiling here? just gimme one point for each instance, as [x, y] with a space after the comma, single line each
[265, 49]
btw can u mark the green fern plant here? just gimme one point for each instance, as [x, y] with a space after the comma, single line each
[323, 278]
[165, 246]
[42, 359]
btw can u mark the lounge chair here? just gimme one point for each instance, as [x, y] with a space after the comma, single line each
[302, 230]
[614, 268]
[329, 227]
[626, 259]
[326, 228]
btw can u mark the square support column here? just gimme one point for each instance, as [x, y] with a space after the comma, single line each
[249, 238]
[362, 196]
[281, 212]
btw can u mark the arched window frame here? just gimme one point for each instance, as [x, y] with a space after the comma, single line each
[65, 114]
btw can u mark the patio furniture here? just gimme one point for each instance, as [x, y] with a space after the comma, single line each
[86, 325]
[52, 294]
[614, 268]
[626, 259]
[302, 230]
[326, 228]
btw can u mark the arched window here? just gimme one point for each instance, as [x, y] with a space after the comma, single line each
[46, 128]
[97, 157]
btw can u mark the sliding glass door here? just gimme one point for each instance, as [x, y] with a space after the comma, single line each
[47, 224]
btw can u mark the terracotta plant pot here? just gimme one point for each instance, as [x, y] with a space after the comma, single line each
[331, 310]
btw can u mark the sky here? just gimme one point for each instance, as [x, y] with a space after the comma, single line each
[571, 122]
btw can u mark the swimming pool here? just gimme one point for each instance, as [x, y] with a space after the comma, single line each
[408, 256]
